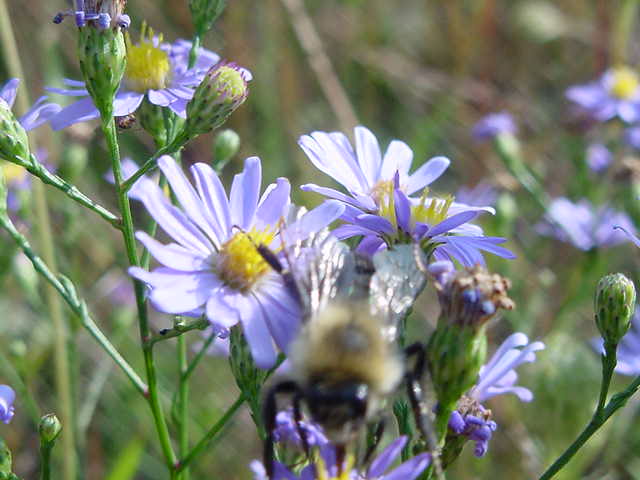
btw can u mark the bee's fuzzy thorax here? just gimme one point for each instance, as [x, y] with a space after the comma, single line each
[345, 343]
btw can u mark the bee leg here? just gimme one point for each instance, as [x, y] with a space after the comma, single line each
[297, 416]
[377, 436]
[269, 412]
[421, 413]
[274, 262]
[341, 454]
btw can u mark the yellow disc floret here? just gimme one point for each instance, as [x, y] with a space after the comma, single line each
[345, 474]
[625, 83]
[432, 210]
[240, 264]
[148, 67]
[382, 192]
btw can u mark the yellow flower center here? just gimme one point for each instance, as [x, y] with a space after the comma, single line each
[230, 81]
[382, 192]
[241, 265]
[625, 83]
[322, 474]
[12, 172]
[431, 211]
[148, 67]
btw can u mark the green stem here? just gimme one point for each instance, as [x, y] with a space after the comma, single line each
[601, 415]
[193, 53]
[196, 360]
[45, 237]
[609, 362]
[151, 163]
[109, 130]
[183, 403]
[67, 290]
[210, 435]
[45, 461]
[178, 330]
[37, 169]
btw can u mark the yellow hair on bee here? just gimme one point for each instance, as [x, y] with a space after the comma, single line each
[345, 343]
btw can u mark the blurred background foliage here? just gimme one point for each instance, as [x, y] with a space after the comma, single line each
[418, 70]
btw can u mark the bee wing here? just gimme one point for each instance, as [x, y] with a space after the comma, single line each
[398, 279]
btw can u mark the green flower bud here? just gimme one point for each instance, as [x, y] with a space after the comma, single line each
[614, 303]
[222, 90]
[226, 145]
[103, 59]
[454, 356]
[14, 143]
[49, 428]
[205, 12]
[151, 118]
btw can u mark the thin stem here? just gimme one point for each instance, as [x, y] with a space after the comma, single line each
[178, 330]
[152, 162]
[210, 435]
[109, 130]
[196, 360]
[599, 418]
[70, 190]
[67, 290]
[45, 461]
[609, 362]
[45, 237]
[193, 53]
[183, 402]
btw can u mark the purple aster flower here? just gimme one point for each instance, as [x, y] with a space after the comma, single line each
[364, 172]
[7, 397]
[214, 268]
[492, 125]
[99, 13]
[599, 157]
[39, 113]
[585, 226]
[497, 377]
[614, 94]
[628, 353]
[286, 430]
[326, 466]
[483, 194]
[156, 71]
[429, 221]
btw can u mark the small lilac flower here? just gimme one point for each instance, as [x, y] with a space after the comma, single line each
[286, 430]
[364, 172]
[326, 466]
[628, 353]
[440, 222]
[584, 225]
[492, 125]
[614, 94]
[39, 113]
[7, 397]
[599, 157]
[156, 71]
[483, 194]
[214, 268]
[497, 377]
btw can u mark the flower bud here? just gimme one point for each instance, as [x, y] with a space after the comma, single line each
[455, 354]
[205, 12]
[151, 118]
[49, 428]
[5, 458]
[614, 303]
[223, 89]
[14, 143]
[226, 145]
[102, 55]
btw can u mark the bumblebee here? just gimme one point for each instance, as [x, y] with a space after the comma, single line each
[346, 360]
[125, 122]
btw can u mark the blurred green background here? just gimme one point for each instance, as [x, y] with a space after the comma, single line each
[418, 70]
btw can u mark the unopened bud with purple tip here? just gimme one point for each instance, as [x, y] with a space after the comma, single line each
[100, 14]
[223, 89]
[614, 304]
